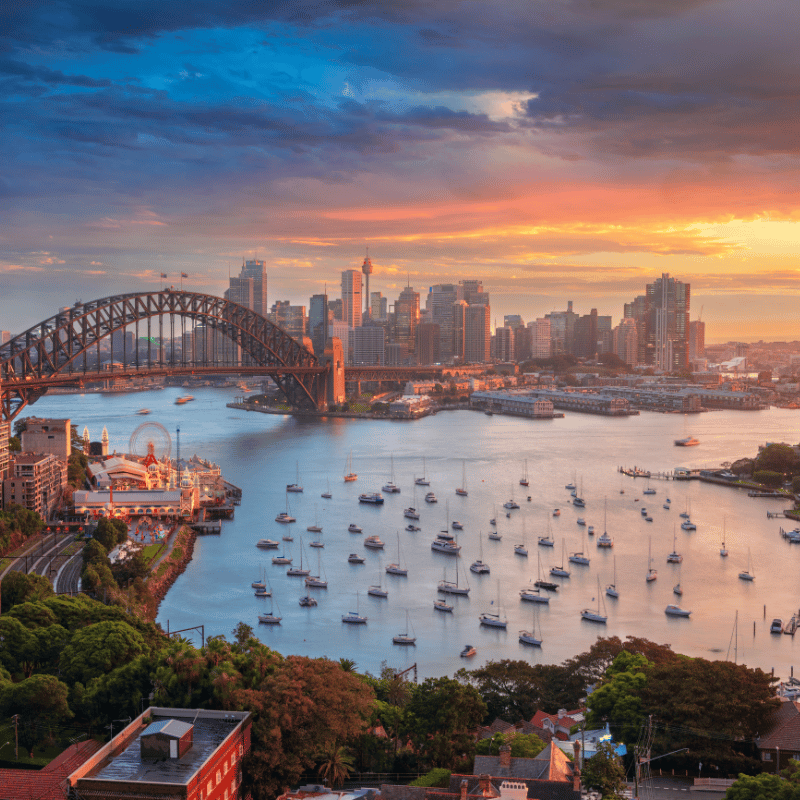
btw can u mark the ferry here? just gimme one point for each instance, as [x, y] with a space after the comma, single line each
[376, 498]
[689, 441]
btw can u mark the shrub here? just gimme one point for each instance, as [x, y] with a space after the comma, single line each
[768, 478]
[438, 777]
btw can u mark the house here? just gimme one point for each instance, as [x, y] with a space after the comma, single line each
[558, 725]
[780, 742]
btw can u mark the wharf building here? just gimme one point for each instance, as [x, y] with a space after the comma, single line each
[520, 403]
[582, 401]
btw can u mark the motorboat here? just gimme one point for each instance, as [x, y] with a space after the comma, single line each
[431, 498]
[285, 517]
[267, 544]
[581, 521]
[440, 605]
[688, 441]
[443, 546]
[353, 528]
[143, 411]
[511, 504]
[643, 511]
[648, 490]
[590, 530]
[307, 601]
[373, 542]
[648, 518]
[688, 525]
[676, 611]
[316, 543]
[556, 512]
[411, 513]
[468, 651]
[413, 528]
[355, 558]
[776, 626]
[457, 526]
[287, 537]
[495, 536]
[479, 568]
[604, 540]
[376, 498]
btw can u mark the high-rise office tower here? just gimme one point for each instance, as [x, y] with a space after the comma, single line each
[253, 295]
[667, 324]
[291, 318]
[477, 334]
[626, 341]
[562, 330]
[504, 344]
[541, 346]
[369, 345]
[406, 319]
[379, 307]
[318, 322]
[439, 304]
[697, 339]
[458, 321]
[428, 344]
[513, 321]
[366, 269]
[351, 297]
[473, 294]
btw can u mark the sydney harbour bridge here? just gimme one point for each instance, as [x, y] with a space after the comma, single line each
[65, 349]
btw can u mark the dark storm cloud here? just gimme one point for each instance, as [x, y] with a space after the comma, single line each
[27, 73]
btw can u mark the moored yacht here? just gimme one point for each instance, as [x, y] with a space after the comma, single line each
[376, 498]
[443, 546]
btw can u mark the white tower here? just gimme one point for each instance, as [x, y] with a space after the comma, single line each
[104, 441]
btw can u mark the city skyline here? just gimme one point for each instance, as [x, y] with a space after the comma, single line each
[576, 151]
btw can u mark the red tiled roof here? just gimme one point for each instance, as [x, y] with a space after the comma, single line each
[45, 784]
[567, 720]
[784, 729]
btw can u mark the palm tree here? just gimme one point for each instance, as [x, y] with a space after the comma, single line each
[347, 664]
[336, 765]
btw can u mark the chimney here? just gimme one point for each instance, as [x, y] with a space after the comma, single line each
[562, 712]
[463, 789]
[505, 756]
[576, 766]
[483, 783]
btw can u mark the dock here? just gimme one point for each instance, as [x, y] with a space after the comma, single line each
[213, 526]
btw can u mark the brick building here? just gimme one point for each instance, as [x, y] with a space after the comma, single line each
[35, 481]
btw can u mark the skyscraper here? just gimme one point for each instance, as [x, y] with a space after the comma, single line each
[318, 322]
[406, 319]
[697, 339]
[351, 297]
[254, 295]
[667, 324]
[439, 303]
[477, 334]
[504, 344]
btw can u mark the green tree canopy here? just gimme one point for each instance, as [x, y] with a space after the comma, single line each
[19, 588]
[604, 773]
[99, 649]
[777, 458]
[40, 696]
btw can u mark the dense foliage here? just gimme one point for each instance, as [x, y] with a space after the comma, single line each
[17, 524]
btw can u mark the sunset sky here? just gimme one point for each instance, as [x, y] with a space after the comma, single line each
[557, 149]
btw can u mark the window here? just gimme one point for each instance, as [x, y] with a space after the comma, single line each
[241, 749]
[219, 777]
[209, 787]
[766, 756]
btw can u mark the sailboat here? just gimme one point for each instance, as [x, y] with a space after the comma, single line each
[533, 595]
[411, 512]
[560, 572]
[495, 535]
[271, 618]
[522, 549]
[674, 557]
[578, 557]
[349, 475]
[317, 581]
[315, 528]
[284, 516]
[611, 589]
[492, 619]
[578, 500]
[295, 487]
[327, 493]
[462, 490]
[405, 638]
[261, 582]
[478, 567]
[391, 487]
[354, 617]
[450, 587]
[512, 503]
[299, 572]
[596, 616]
[540, 583]
[547, 541]
[723, 551]
[530, 637]
[677, 589]
[523, 481]
[423, 481]
[604, 540]
[651, 573]
[747, 575]
[377, 590]
[444, 533]
[397, 569]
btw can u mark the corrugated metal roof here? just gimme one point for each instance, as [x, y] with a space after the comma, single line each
[169, 727]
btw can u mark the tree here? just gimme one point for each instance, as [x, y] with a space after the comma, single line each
[14, 444]
[19, 588]
[99, 649]
[765, 786]
[242, 633]
[336, 765]
[777, 458]
[522, 745]
[604, 772]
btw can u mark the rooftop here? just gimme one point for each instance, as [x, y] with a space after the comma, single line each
[211, 728]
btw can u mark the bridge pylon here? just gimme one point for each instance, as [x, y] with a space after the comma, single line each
[333, 359]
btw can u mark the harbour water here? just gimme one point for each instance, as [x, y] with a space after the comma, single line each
[261, 453]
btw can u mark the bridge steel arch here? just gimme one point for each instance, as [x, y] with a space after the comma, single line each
[52, 351]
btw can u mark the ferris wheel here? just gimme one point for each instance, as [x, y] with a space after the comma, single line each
[150, 437]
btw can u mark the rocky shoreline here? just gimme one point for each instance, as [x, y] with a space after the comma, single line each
[170, 568]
